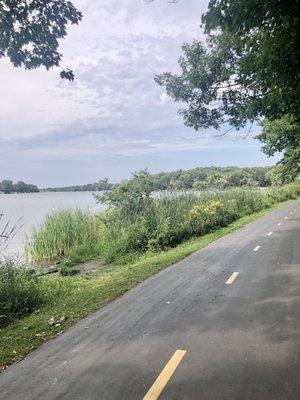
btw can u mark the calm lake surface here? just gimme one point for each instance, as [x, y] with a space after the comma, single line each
[33, 207]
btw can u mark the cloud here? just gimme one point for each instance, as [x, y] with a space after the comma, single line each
[115, 52]
[113, 108]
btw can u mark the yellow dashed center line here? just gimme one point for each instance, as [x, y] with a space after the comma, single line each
[165, 375]
[232, 278]
[169, 369]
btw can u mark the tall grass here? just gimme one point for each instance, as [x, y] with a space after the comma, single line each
[62, 232]
[173, 218]
[20, 293]
[119, 235]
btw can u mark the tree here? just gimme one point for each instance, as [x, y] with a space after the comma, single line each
[32, 189]
[6, 186]
[104, 184]
[200, 185]
[130, 196]
[31, 29]
[20, 187]
[260, 176]
[238, 178]
[283, 135]
[247, 70]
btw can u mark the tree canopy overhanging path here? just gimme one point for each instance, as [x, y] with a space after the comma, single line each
[221, 324]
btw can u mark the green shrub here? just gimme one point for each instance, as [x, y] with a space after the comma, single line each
[20, 291]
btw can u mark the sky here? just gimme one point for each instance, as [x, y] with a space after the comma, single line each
[113, 119]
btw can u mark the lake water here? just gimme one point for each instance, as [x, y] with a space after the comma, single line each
[33, 207]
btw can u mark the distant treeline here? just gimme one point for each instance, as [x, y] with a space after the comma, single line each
[197, 178]
[7, 186]
[215, 177]
[90, 187]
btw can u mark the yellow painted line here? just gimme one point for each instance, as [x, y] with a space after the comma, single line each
[231, 279]
[279, 223]
[256, 248]
[270, 233]
[165, 375]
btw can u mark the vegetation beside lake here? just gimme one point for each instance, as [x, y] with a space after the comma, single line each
[139, 233]
[138, 222]
[75, 297]
[62, 232]
[22, 292]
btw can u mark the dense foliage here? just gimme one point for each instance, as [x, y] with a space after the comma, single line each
[198, 179]
[31, 30]
[283, 135]
[247, 70]
[20, 292]
[23, 292]
[214, 177]
[7, 186]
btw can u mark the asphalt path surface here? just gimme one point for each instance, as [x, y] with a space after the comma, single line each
[224, 323]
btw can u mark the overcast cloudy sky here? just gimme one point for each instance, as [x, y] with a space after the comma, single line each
[113, 119]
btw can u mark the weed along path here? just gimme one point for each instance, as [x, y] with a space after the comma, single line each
[221, 324]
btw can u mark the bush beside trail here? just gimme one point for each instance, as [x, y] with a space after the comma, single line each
[172, 218]
[20, 292]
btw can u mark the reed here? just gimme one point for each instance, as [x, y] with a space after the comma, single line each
[60, 233]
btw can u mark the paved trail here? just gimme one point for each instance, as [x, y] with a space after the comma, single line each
[221, 324]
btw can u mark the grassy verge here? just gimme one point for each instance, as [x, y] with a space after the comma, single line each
[78, 296]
